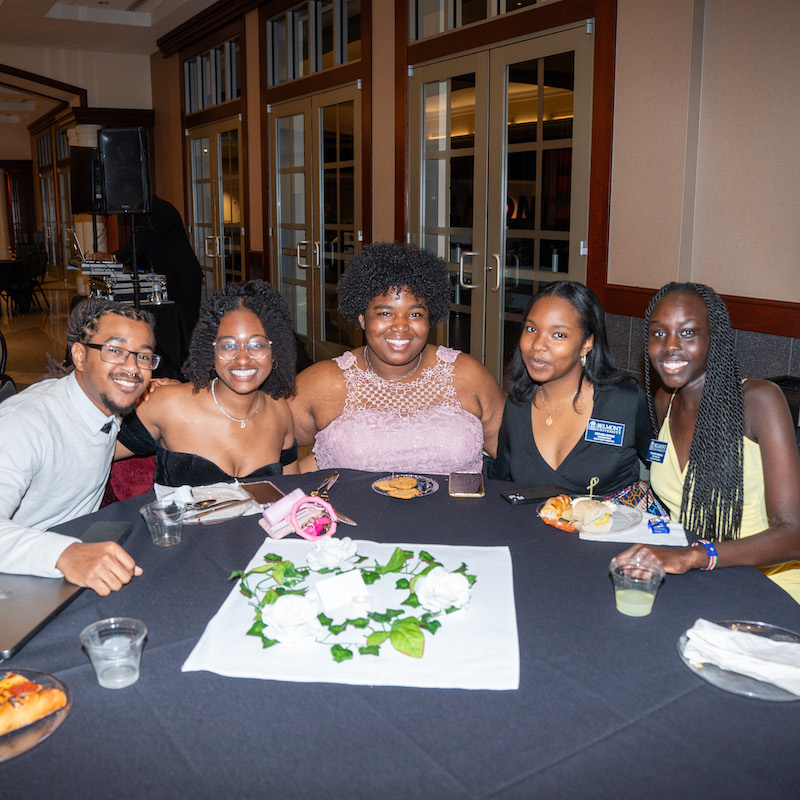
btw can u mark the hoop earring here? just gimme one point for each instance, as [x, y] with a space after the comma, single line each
[274, 364]
[583, 361]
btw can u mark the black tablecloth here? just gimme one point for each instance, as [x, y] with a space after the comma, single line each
[605, 707]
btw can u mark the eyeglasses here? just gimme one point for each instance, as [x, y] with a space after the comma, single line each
[112, 354]
[228, 349]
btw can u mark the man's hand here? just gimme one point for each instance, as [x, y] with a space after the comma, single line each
[104, 566]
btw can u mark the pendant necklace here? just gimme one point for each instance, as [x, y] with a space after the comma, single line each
[551, 414]
[233, 419]
[391, 380]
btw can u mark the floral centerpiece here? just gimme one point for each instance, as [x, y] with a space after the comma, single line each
[286, 612]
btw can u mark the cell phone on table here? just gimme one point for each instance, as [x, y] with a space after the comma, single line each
[534, 494]
[465, 484]
[264, 492]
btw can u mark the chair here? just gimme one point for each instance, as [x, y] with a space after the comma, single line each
[37, 279]
[3, 352]
[7, 387]
[18, 287]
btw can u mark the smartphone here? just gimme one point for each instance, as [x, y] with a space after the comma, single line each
[264, 492]
[106, 532]
[466, 484]
[534, 494]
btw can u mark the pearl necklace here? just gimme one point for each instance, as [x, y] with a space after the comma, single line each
[391, 380]
[550, 415]
[233, 419]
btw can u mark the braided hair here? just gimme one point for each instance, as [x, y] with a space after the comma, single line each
[83, 322]
[273, 313]
[599, 369]
[385, 266]
[713, 492]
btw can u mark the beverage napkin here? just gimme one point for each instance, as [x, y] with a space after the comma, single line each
[745, 653]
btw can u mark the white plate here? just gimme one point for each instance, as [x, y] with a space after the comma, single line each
[218, 495]
[623, 519]
[422, 480]
[742, 684]
[20, 741]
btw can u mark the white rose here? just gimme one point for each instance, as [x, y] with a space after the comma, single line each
[292, 618]
[440, 589]
[330, 552]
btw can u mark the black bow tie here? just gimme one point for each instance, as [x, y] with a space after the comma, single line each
[107, 427]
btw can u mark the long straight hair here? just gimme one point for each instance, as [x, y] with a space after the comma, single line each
[599, 370]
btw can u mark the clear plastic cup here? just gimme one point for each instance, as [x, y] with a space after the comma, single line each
[114, 647]
[164, 520]
[636, 581]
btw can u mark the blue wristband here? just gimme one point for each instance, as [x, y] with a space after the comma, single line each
[712, 553]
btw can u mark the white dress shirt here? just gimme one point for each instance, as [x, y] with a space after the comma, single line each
[54, 464]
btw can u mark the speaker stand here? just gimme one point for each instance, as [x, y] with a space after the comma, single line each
[135, 268]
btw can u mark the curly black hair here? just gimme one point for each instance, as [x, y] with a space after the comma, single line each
[389, 266]
[83, 323]
[713, 491]
[599, 370]
[271, 309]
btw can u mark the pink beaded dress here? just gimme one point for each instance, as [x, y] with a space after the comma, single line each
[390, 426]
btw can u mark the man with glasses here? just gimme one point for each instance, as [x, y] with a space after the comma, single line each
[57, 442]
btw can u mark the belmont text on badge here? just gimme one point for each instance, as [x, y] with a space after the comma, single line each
[604, 432]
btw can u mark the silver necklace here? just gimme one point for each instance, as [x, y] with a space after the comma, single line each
[551, 414]
[391, 380]
[233, 419]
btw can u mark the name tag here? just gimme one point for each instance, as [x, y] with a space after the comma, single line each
[603, 432]
[657, 451]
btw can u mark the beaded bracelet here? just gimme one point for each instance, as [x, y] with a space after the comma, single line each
[712, 553]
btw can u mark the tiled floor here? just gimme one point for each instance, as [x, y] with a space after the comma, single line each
[30, 337]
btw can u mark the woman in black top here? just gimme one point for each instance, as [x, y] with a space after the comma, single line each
[231, 421]
[571, 416]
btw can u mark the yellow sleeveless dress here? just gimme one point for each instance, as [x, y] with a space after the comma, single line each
[667, 480]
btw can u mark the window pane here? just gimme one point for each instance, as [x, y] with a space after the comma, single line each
[300, 41]
[559, 93]
[280, 58]
[523, 102]
[352, 39]
[473, 11]
[556, 175]
[326, 40]
[462, 111]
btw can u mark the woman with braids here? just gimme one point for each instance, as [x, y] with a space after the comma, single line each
[731, 472]
[398, 403]
[571, 416]
[231, 420]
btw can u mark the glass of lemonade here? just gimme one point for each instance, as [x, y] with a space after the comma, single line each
[636, 581]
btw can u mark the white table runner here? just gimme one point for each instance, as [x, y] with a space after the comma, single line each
[475, 648]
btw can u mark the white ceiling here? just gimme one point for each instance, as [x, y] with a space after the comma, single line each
[105, 26]
[118, 26]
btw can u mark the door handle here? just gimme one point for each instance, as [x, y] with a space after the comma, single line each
[461, 278]
[318, 254]
[297, 254]
[489, 268]
[209, 251]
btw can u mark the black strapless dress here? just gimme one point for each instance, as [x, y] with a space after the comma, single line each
[179, 469]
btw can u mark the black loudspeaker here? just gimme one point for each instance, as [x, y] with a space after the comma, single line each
[86, 190]
[125, 170]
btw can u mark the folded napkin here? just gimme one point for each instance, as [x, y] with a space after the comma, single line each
[745, 653]
[641, 534]
[191, 494]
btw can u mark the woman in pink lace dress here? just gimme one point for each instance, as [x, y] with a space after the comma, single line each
[397, 403]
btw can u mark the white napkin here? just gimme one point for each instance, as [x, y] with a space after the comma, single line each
[190, 494]
[476, 647]
[641, 534]
[745, 653]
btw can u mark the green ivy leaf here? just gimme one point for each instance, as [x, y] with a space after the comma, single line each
[402, 583]
[424, 555]
[387, 616]
[273, 557]
[361, 622]
[324, 620]
[262, 569]
[245, 591]
[265, 642]
[237, 573]
[370, 577]
[340, 653]
[270, 597]
[378, 638]
[407, 638]
[278, 572]
[369, 651]
[256, 628]
[430, 625]
[462, 568]
[396, 562]
[337, 629]
[411, 601]
[471, 579]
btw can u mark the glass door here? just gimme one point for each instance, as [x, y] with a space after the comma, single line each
[215, 178]
[49, 219]
[316, 225]
[500, 179]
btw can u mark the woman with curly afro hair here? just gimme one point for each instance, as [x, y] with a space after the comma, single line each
[397, 403]
[731, 472]
[231, 420]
